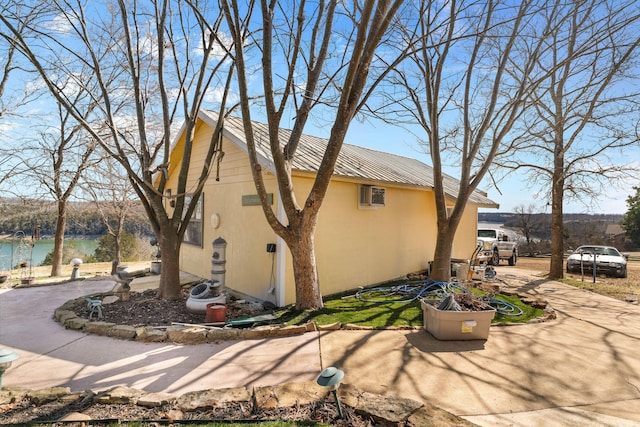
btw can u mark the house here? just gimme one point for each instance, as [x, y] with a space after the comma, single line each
[616, 236]
[377, 222]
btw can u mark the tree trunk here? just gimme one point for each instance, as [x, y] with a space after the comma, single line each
[556, 270]
[305, 270]
[58, 239]
[441, 267]
[117, 257]
[170, 257]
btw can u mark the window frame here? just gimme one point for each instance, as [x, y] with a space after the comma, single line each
[194, 234]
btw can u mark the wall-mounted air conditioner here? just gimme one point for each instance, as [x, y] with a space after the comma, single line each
[372, 196]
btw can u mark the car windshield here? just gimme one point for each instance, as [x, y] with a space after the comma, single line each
[486, 233]
[598, 250]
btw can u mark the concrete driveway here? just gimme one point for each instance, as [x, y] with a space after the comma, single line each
[580, 369]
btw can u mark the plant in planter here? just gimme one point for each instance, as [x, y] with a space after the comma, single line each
[459, 316]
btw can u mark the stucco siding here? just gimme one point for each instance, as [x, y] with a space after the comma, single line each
[244, 228]
[362, 246]
[465, 241]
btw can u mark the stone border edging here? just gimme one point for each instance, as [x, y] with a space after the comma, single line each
[385, 410]
[187, 334]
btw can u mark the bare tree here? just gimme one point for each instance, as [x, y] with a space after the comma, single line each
[527, 221]
[152, 62]
[585, 110]
[14, 94]
[301, 71]
[53, 162]
[111, 192]
[466, 84]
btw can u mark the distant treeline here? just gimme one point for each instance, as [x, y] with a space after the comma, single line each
[83, 219]
[579, 229]
[510, 217]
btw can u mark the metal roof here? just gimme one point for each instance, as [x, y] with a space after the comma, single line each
[354, 162]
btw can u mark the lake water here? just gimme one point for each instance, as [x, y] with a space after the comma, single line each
[34, 256]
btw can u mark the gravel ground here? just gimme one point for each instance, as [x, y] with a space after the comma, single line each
[621, 289]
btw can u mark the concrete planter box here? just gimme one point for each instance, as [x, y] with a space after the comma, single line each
[449, 325]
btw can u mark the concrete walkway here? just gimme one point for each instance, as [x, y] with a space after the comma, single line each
[580, 369]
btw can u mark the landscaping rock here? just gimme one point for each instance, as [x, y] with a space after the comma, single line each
[288, 395]
[187, 335]
[195, 400]
[149, 334]
[222, 334]
[330, 327]
[289, 331]
[98, 328]
[390, 408]
[119, 395]
[122, 331]
[431, 416]
[110, 299]
[353, 327]
[63, 315]
[76, 323]
[153, 400]
[46, 395]
[12, 394]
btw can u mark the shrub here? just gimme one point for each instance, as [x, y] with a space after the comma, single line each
[69, 251]
[106, 249]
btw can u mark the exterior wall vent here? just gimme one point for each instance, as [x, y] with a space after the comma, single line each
[373, 196]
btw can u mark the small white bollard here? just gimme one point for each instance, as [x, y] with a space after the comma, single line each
[75, 273]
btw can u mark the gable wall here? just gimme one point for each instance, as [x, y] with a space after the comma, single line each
[245, 228]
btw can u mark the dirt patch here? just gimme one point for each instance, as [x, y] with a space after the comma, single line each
[146, 309]
[623, 289]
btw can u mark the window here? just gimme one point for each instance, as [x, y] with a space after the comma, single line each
[193, 235]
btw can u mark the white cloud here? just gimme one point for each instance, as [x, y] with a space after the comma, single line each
[61, 23]
[218, 49]
[214, 96]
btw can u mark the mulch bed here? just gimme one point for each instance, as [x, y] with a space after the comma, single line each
[146, 309]
[325, 411]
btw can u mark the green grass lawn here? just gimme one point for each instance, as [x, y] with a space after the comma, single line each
[348, 309]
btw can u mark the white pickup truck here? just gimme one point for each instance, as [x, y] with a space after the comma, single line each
[494, 245]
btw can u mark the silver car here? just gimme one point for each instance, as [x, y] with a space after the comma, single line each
[608, 261]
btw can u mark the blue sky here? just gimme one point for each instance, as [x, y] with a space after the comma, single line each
[384, 137]
[509, 193]
[512, 191]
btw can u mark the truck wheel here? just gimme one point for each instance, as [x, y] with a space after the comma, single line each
[495, 258]
[513, 259]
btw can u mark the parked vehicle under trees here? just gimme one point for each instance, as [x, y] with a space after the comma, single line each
[472, 68]
[583, 115]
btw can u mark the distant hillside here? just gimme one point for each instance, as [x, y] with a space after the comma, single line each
[510, 217]
[578, 229]
[83, 219]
